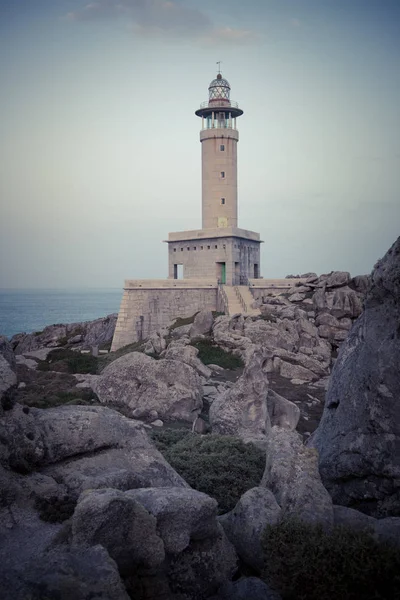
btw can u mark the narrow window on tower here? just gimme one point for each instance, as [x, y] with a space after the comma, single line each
[222, 200]
[222, 174]
[222, 147]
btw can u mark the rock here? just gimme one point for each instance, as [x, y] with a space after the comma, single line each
[215, 368]
[28, 362]
[92, 333]
[291, 473]
[138, 382]
[157, 423]
[121, 525]
[203, 566]
[297, 297]
[242, 410]
[245, 524]
[246, 588]
[8, 377]
[346, 303]
[291, 371]
[180, 332]
[7, 352]
[361, 283]
[282, 412]
[182, 515]
[327, 319]
[80, 573]
[188, 355]
[337, 279]
[202, 324]
[83, 447]
[358, 437]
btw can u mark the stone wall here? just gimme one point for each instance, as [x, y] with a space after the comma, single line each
[148, 305]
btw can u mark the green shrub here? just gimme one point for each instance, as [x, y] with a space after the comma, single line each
[304, 562]
[221, 466]
[211, 354]
[70, 361]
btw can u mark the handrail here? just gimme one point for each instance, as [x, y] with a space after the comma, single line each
[224, 103]
[224, 297]
[240, 298]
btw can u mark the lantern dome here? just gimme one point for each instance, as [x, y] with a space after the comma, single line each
[219, 90]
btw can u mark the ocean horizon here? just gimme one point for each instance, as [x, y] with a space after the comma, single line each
[32, 309]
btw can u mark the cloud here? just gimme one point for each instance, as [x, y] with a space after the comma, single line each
[162, 18]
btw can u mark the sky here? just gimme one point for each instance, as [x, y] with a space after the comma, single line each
[100, 155]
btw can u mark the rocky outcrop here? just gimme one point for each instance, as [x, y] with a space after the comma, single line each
[242, 410]
[359, 434]
[137, 384]
[245, 524]
[8, 377]
[291, 473]
[202, 323]
[76, 335]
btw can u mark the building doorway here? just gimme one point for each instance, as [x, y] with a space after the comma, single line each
[221, 272]
[178, 271]
[256, 271]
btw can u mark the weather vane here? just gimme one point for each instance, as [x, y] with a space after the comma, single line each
[219, 66]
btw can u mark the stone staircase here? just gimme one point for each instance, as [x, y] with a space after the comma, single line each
[239, 299]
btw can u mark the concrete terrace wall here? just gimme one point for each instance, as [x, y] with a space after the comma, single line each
[148, 305]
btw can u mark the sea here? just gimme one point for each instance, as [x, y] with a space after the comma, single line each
[29, 310]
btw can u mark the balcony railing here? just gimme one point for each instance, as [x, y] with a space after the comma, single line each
[228, 104]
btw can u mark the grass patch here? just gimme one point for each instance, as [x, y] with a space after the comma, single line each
[38, 399]
[211, 354]
[68, 361]
[181, 321]
[221, 466]
[304, 562]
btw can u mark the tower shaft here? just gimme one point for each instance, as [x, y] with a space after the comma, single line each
[219, 177]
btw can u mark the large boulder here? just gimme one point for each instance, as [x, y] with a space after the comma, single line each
[121, 525]
[63, 573]
[242, 410]
[202, 567]
[358, 438]
[83, 447]
[182, 515]
[137, 384]
[245, 524]
[291, 473]
[202, 323]
[187, 354]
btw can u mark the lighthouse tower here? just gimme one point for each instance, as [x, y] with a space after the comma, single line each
[220, 251]
[219, 138]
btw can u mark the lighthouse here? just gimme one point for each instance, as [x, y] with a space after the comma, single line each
[217, 267]
[220, 250]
